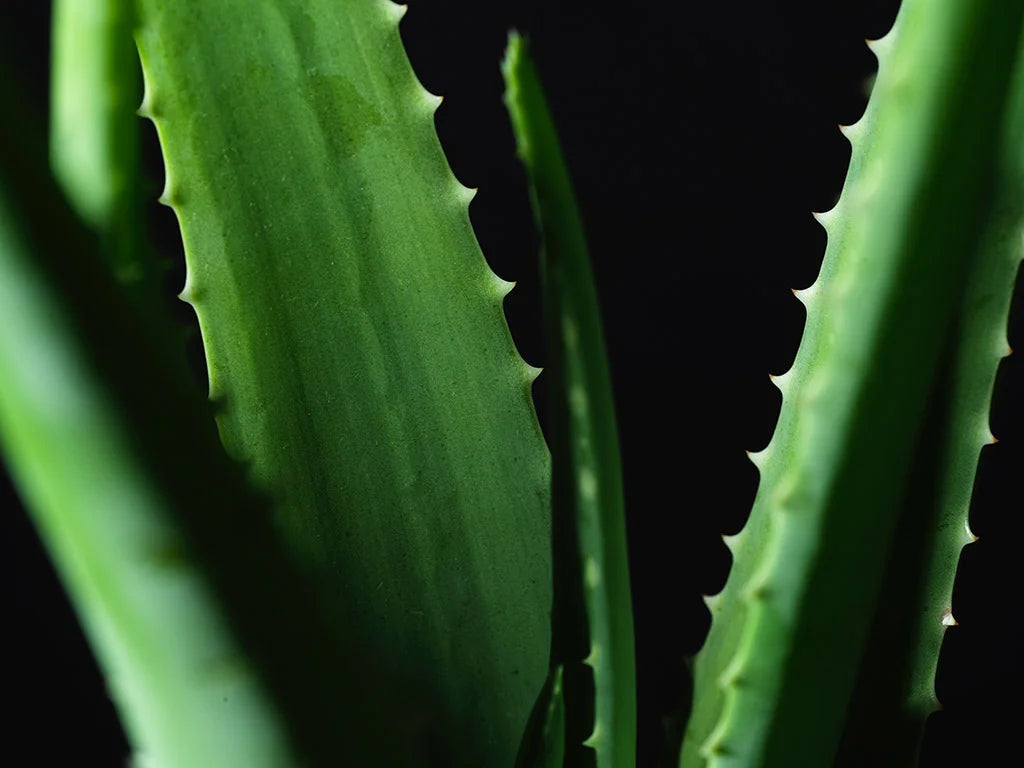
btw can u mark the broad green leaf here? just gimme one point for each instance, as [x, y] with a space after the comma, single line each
[774, 680]
[357, 345]
[589, 523]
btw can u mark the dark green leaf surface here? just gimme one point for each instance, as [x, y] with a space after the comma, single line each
[356, 342]
[589, 521]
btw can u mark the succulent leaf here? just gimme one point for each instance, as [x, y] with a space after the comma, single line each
[543, 744]
[128, 485]
[776, 674]
[356, 339]
[907, 630]
[94, 132]
[591, 571]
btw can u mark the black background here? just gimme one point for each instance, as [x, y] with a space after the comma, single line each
[700, 137]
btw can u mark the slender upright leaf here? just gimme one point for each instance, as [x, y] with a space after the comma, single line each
[543, 744]
[94, 131]
[591, 571]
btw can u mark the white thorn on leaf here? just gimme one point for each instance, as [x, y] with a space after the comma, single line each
[882, 45]
[504, 287]
[971, 538]
[758, 458]
[466, 194]
[782, 380]
[824, 217]
[732, 541]
[432, 100]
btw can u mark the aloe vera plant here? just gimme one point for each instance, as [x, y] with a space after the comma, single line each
[379, 561]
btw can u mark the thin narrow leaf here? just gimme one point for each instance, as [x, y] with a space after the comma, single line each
[589, 522]
[94, 131]
[543, 744]
[356, 341]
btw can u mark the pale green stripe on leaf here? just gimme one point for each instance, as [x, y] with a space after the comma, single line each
[588, 496]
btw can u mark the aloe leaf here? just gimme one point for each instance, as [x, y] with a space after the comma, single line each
[169, 559]
[357, 346]
[543, 744]
[781, 662]
[907, 631]
[591, 567]
[94, 131]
